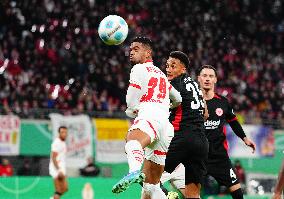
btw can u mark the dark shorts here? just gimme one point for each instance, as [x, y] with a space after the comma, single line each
[190, 149]
[223, 172]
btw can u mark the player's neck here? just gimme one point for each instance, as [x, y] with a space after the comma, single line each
[208, 94]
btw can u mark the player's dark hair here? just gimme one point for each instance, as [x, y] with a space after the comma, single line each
[180, 56]
[144, 40]
[206, 66]
[61, 127]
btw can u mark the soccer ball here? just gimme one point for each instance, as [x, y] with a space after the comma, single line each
[113, 30]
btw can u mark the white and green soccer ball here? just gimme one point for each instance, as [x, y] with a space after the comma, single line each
[113, 30]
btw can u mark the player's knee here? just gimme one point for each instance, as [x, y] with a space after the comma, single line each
[66, 189]
[237, 194]
[150, 188]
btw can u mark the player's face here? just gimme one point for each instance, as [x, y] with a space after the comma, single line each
[138, 53]
[207, 79]
[174, 68]
[63, 134]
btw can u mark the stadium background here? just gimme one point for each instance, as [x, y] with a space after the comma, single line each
[51, 60]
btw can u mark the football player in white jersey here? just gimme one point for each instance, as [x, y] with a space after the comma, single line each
[57, 164]
[148, 101]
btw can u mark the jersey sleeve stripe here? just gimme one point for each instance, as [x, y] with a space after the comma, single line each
[170, 87]
[152, 128]
[157, 152]
[135, 86]
[231, 120]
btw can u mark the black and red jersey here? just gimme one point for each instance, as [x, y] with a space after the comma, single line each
[192, 107]
[220, 112]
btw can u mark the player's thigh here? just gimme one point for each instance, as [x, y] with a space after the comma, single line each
[152, 172]
[223, 172]
[176, 153]
[157, 150]
[62, 184]
[194, 163]
[145, 131]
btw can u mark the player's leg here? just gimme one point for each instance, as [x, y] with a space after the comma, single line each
[141, 134]
[178, 179]
[224, 174]
[63, 185]
[236, 191]
[151, 185]
[195, 168]
[58, 189]
[155, 156]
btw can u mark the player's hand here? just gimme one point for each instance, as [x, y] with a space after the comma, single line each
[276, 196]
[60, 175]
[250, 143]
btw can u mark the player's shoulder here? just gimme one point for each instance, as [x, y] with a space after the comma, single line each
[138, 67]
[56, 141]
[221, 98]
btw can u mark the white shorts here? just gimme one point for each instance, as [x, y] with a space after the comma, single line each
[161, 134]
[177, 177]
[54, 172]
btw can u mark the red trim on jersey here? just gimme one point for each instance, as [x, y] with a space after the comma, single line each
[152, 128]
[225, 143]
[178, 116]
[157, 152]
[148, 60]
[234, 119]
[135, 86]
[170, 87]
[216, 96]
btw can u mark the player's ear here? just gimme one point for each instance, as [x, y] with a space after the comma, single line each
[198, 78]
[215, 80]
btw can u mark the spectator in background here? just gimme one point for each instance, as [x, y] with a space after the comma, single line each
[6, 169]
[25, 169]
[91, 169]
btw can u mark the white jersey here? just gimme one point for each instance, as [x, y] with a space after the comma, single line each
[154, 91]
[60, 148]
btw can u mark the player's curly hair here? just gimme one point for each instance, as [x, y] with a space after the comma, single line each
[180, 56]
[144, 40]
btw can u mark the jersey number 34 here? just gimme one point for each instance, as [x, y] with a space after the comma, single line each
[197, 95]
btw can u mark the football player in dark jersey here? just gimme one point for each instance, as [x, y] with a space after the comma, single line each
[189, 145]
[220, 111]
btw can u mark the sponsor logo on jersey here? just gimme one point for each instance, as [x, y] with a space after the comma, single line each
[211, 124]
[219, 111]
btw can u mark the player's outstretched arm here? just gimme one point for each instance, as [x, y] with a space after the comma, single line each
[279, 184]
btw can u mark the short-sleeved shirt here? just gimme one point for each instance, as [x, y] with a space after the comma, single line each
[154, 86]
[60, 148]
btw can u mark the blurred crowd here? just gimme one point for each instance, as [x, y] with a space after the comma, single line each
[52, 58]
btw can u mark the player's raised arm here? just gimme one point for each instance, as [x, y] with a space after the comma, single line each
[175, 97]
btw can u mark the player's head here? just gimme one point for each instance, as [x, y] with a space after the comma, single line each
[62, 131]
[207, 77]
[177, 64]
[140, 50]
